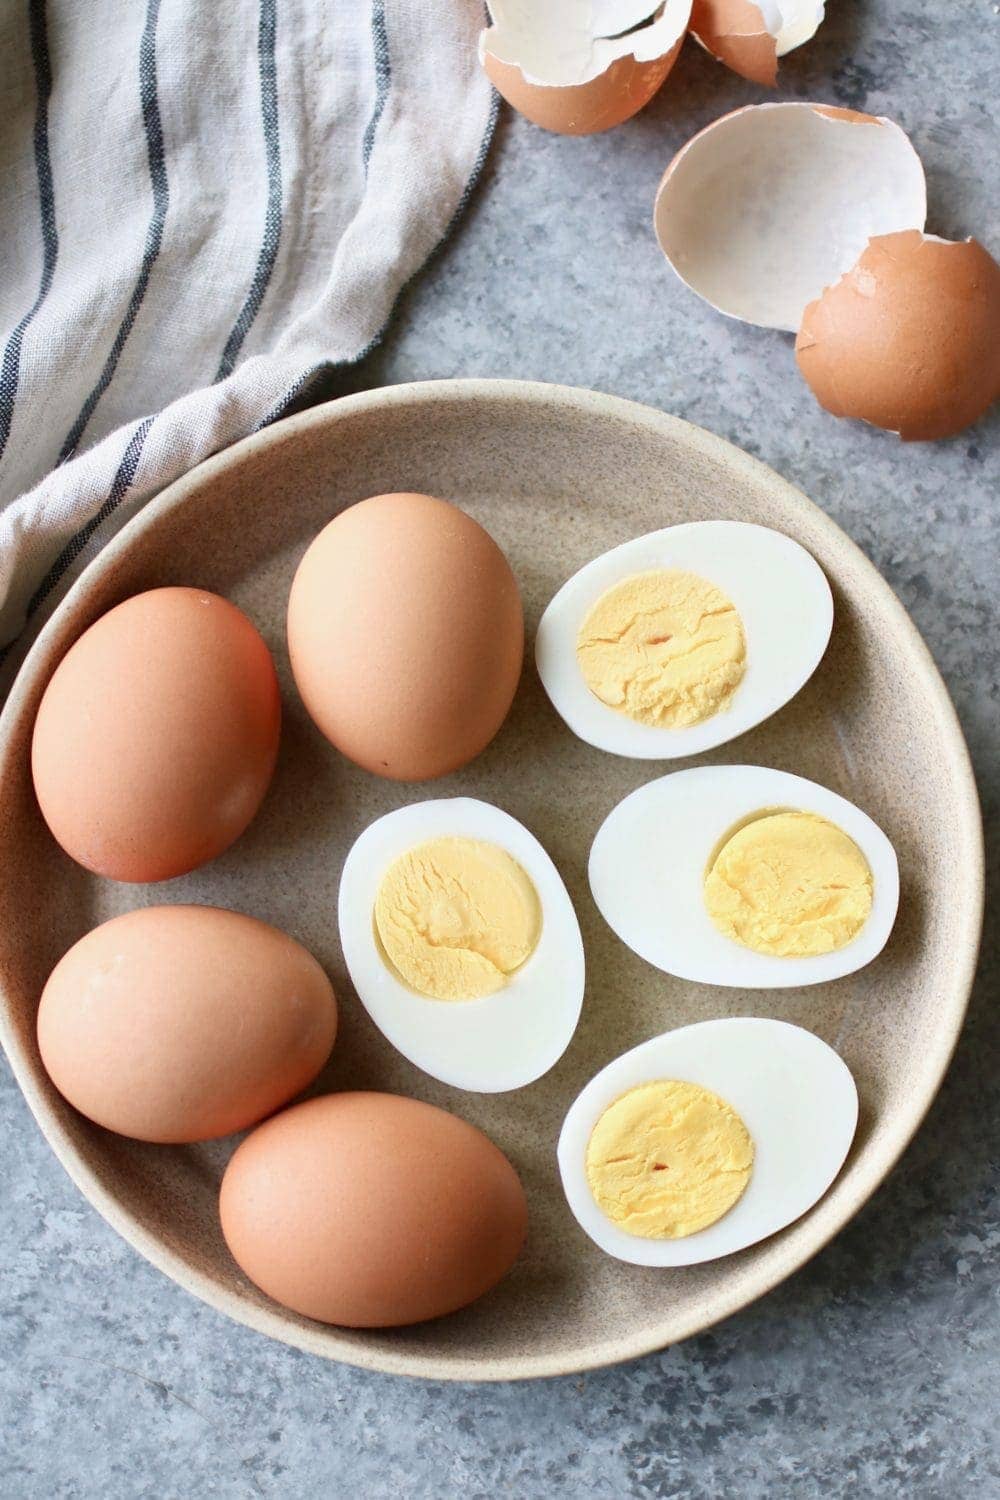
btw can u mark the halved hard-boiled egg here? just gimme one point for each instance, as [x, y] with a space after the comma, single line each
[462, 943]
[745, 876]
[680, 640]
[708, 1139]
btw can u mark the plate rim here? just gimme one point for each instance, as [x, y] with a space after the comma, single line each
[966, 813]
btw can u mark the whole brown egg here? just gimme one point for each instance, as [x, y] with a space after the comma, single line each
[181, 1023]
[371, 1211]
[406, 635]
[157, 735]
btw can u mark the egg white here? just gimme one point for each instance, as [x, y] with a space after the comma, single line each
[501, 1041]
[649, 859]
[782, 597]
[794, 1094]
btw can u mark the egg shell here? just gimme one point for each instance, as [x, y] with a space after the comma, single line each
[779, 590]
[578, 71]
[909, 338]
[749, 38]
[499, 1042]
[795, 1095]
[768, 205]
[651, 853]
[181, 1023]
[406, 635]
[584, 108]
[734, 32]
[371, 1210]
[157, 735]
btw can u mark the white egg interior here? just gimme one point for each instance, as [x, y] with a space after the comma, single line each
[792, 22]
[648, 862]
[794, 1094]
[782, 597]
[502, 1041]
[770, 204]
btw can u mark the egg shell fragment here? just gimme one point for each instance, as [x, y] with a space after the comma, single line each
[795, 1095]
[651, 853]
[499, 1042]
[578, 68]
[370, 1210]
[909, 338]
[157, 735]
[782, 597]
[770, 204]
[749, 38]
[183, 1023]
[406, 635]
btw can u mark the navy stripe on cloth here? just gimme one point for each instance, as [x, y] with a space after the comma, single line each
[10, 367]
[383, 78]
[154, 233]
[120, 485]
[272, 214]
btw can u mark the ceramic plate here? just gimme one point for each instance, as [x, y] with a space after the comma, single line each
[557, 476]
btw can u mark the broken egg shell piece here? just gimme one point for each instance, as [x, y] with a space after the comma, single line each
[770, 204]
[909, 338]
[733, 31]
[749, 37]
[558, 70]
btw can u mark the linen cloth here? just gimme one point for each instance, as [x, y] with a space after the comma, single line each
[202, 206]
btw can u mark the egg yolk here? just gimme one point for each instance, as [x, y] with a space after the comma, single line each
[789, 884]
[668, 1159]
[456, 917]
[666, 648]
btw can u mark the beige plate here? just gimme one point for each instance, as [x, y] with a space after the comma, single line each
[557, 476]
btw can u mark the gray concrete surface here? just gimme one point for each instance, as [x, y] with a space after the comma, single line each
[875, 1371]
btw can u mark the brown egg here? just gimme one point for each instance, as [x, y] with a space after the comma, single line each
[735, 33]
[157, 735]
[584, 108]
[406, 635]
[909, 339]
[180, 1023]
[372, 1211]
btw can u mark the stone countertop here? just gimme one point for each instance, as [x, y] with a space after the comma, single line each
[875, 1370]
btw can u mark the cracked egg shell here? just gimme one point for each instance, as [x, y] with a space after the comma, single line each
[570, 69]
[909, 338]
[767, 206]
[750, 37]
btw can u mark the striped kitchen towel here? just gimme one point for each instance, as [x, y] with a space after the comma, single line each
[202, 206]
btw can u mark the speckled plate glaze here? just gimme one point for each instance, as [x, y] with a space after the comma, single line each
[557, 476]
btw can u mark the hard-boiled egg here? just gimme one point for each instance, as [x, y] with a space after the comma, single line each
[652, 854]
[794, 1095]
[780, 629]
[462, 943]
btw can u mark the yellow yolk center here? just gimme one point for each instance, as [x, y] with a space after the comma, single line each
[456, 917]
[668, 1159]
[789, 884]
[666, 648]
